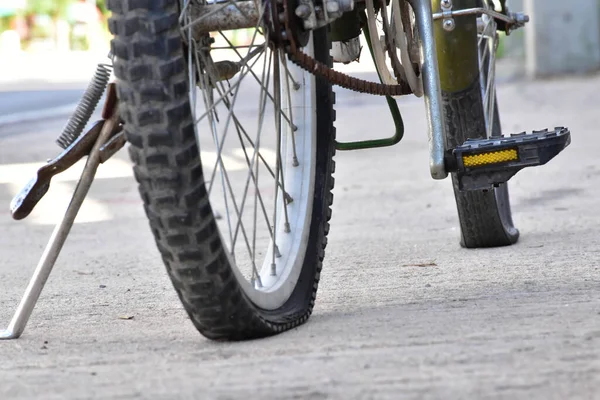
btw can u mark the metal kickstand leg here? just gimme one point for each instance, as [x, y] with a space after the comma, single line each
[59, 235]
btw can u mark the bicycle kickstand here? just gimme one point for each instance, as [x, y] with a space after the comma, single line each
[102, 141]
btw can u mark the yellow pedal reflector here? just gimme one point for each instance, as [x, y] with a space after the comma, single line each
[493, 157]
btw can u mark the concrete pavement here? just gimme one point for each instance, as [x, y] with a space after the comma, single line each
[402, 310]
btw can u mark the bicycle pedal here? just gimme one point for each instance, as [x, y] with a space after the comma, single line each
[485, 163]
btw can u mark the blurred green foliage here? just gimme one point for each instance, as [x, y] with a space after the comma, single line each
[101, 4]
[53, 8]
[57, 8]
[38, 19]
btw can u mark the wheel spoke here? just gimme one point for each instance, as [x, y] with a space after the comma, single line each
[255, 214]
[225, 129]
[286, 225]
[244, 61]
[227, 186]
[226, 4]
[277, 106]
[254, 155]
[219, 165]
[288, 119]
[488, 99]
[270, 244]
[491, 90]
[208, 101]
[293, 127]
[183, 14]
[239, 126]
[254, 176]
[488, 45]
[231, 89]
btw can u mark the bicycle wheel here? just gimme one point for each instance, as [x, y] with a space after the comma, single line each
[466, 58]
[233, 151]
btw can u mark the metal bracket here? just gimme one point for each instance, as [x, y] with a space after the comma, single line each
[393, 106]
[61, 231]
[318, 15]
[448, 22]
[509, 20]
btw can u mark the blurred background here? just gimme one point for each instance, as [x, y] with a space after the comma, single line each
[37, 25]
[67, 36]
[49, 49]
[51, 40]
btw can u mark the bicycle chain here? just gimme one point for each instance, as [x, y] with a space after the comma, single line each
[286, 39]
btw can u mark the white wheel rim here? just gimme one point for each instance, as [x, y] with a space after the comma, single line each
[213, 111]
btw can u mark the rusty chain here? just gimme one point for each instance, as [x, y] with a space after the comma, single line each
[286, 39]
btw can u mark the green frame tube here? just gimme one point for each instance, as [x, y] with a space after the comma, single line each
[458, 62]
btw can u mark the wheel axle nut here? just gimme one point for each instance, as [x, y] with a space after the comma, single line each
[521, 18]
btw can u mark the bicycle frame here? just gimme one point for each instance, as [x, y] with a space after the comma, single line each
[246, 14]
[434, 75]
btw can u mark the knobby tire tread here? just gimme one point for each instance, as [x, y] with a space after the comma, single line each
[484, 216]
[153, 92]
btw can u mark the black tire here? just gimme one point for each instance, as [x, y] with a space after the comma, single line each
[485, 215]
[153, 91]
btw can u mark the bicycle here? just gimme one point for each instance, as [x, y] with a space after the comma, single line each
[248, 266]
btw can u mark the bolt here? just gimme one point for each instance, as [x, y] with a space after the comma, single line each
[303, 11]
[333, 7]
[446, 3]
[449, 25]
[521, 18]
